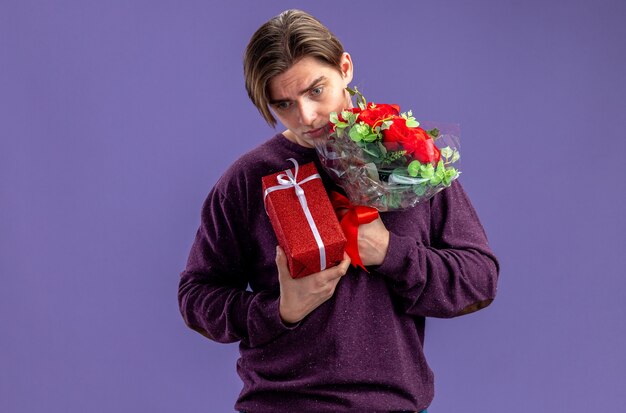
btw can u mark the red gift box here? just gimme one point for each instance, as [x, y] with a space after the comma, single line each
[306, 225]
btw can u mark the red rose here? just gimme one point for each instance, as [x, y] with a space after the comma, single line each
[374, 116]
[415, 141]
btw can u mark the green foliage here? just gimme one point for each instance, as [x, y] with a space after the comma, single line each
[360, 99]
[446, 152]
[420, 189]
[349, 116]
[433, 132]
[392, 156]
[427, 171]
[419, 177]
[430, 175]
[450, 155]
[413, 168]
[386, 125]
[455, 156]
[362, 132]
[410, 120]
[449, 175]
[375, 150]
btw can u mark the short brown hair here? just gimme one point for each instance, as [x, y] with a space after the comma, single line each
[277, 45]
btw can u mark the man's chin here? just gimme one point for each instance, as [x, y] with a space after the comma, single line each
[299, 139]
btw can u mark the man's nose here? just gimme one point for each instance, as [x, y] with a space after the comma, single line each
[308, 113]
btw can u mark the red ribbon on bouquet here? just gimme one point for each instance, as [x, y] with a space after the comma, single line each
[356, 215]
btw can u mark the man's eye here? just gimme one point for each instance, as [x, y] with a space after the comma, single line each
[317, 91]
[282, 105]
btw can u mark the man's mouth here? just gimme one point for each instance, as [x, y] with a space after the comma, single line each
[316, 133]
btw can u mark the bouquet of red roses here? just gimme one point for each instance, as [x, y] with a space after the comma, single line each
[383, 158]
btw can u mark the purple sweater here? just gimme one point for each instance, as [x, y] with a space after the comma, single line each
[362, 350]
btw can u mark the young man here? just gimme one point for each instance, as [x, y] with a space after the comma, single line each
[342, 339]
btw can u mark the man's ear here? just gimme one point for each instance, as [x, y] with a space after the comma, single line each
[347, 68]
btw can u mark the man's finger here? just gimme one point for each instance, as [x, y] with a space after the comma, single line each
[345, 263]
[339, 270]
[281, 263]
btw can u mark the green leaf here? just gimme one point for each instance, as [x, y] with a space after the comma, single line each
[371, 149]
[355, 135]
[435, 180]
[413, 168]
[455, 156]
[360, 131]
[394, 200]
[349, 117]
[412, 123]
[370, 137]
[427, 170]
[392, 156]
[334, 118]
[359, 97]
[440, 173]
[386, 124]
[446, 152]
[410, 120]
[440, 168]
[449, 175]
[420, 189]
[433, 132]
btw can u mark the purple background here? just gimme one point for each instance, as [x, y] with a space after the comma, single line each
[116, 118]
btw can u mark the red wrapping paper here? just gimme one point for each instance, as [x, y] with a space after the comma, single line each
[292, 229]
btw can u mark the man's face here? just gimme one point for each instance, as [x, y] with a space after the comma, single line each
[303, 97]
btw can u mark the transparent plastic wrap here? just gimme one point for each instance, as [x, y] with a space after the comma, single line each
[385, 159]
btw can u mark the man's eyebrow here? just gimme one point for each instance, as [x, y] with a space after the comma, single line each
[302, 92]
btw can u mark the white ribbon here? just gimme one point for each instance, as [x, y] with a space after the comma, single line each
[290, 180]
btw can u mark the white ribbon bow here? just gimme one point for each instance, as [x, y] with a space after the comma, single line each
[290, 180]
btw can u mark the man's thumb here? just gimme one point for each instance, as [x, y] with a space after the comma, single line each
[281, 263]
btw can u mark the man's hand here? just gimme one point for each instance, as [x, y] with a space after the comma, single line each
[373, 242]
[300, 296]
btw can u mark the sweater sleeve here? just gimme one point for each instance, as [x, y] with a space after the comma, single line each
[457, 274]
[212, 294]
